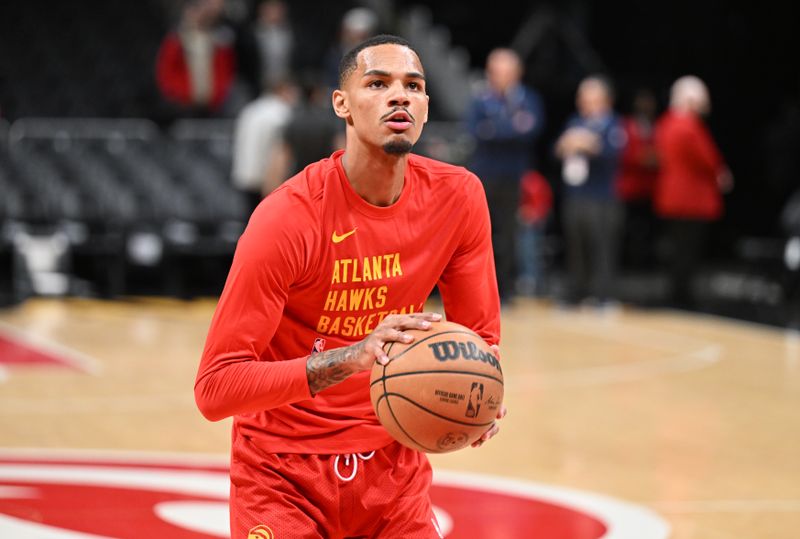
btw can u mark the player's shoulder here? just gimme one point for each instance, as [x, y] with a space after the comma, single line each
[439, 170]
[296, 203]
[451, 182]
[307, 186]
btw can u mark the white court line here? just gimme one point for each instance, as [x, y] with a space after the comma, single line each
[626, 333]
[700, 355]
[117, 456]
[617, 373]
[111, 404]
[18, 528]
[728, 506]
[65, 354]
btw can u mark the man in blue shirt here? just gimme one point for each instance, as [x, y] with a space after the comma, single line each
[505, 119]
[590, 148]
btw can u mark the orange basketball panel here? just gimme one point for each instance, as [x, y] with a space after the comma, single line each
[461, 397]
[420, 430]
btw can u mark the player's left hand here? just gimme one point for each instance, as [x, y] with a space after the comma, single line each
[495, 428]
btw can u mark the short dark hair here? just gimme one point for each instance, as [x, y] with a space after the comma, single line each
[348, 63]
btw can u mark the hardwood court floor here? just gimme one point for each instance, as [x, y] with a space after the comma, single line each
[695, 417]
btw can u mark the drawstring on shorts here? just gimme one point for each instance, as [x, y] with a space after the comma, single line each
[347, 457]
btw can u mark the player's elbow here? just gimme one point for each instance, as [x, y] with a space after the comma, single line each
[210, 407]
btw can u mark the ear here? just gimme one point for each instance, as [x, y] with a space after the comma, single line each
[341, 106]
[428, 100]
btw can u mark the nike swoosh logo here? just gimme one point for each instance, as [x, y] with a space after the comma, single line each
[336, 238]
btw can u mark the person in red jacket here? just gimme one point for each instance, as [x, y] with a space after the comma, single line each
[691, 177]
[334, 264]
[638, 168]
[196, 63]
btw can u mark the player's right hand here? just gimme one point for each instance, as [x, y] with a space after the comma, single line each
[392, 329]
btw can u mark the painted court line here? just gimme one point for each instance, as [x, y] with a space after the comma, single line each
[111, 404]
[728, 506]
[73, 358]
[618, 373]
[621, 519]
[616, 330]
[686, 354]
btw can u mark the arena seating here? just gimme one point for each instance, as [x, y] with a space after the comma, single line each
[125, 193]
[91, 58]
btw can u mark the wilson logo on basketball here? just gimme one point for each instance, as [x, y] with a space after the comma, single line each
[453, 350]
[260, 532]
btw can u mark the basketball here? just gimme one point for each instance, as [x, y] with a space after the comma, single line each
[439, 393]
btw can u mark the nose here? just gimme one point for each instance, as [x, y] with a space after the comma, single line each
[398, 95]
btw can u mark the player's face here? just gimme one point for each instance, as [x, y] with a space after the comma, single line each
[384, 99]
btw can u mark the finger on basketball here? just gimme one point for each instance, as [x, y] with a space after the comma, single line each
[395, 335]
[390, 336]
[421, 320]
[411, 321]
[380, 354]
[487, 435]
[418, 320]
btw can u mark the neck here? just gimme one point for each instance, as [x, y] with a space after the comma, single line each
[376, 176]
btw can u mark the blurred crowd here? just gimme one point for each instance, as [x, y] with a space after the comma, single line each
[210, 66]
[627, 183]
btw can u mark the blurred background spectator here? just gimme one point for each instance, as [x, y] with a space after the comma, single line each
[504, 119]
[690, 180]
[589, 148]
[536, 203]
[313, 132]
[637, 175]
[259, 162]
[196, 62]
[356, 25]
[276, 41]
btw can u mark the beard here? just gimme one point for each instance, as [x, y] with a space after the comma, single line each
[398, 147]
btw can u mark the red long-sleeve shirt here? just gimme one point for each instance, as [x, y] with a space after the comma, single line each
[637, 166]
[319, 267]
[686, 187]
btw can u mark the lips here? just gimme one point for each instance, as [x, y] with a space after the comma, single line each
[399, 120]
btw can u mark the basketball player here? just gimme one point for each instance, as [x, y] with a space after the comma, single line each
[334, 264]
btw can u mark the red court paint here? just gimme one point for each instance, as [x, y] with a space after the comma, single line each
[17, 353]
[93, 495]
[19, 350]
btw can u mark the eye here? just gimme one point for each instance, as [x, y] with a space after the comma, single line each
[414, 86]
[376, 84]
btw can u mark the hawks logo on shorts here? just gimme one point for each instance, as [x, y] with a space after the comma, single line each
[260, 532]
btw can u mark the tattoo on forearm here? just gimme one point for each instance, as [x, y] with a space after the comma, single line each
[329, 368]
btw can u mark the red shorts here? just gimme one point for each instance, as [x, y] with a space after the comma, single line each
[291, 496]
